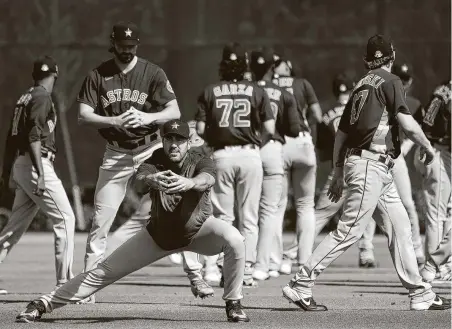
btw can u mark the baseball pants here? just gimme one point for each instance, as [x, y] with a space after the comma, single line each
[118, 166]
[239, 175]
[370, 187]
[54, 203]
[141, 250]
[300, 165]
[272, 186]
[437, 192]
[135, 224]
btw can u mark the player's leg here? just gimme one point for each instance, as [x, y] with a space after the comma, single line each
[364, 188]
[248, 188]
[55, 204]
[117, 168]
[403, 185]
[120, 263]
[192, 267]
[215, 236]
[439, 260]
[273, 169]
[392, 218]
[366, 246]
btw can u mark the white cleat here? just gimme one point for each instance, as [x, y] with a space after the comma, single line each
[273, 274]
[260, 275]
[286, 268]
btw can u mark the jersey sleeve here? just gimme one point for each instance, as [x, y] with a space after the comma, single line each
[37, 117]
[202, 107]
[205, 165]
[88, 92]
[292, 123]
[160, 90]
[395, 97]
[311, 97]
[265, 109]
[344, 124]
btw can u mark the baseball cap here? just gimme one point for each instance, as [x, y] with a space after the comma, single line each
[403, 71]
[176, 127]
[233, 51]
[378, 47]
[342, 84]
[43, 66]
[126, 33]
[265, 56]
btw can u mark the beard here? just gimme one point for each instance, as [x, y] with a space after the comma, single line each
[125, 58]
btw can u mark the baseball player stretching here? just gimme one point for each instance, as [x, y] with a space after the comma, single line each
[29, 154]
[111, 99]
[179, 183]
[437, 186]
[300, 168]
[288, 123]
[366, 143]
[235, 116]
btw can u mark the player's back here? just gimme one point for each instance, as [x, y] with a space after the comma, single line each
[234, 113]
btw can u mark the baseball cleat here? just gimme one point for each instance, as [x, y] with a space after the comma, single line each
[436, 304]
[249, 283]
[212, 277]
[307, 304]
[273, 274]
[286, 268]
[88, 300]
[32, 313]
[200, 288]
[234, 311]
[260, 275]
[367, 263]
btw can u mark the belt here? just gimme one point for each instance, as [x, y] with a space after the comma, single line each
[383, 158]
[44, 154]
[132, 144]
[237, 147]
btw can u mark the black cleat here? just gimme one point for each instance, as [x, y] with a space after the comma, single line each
[200, 288]
[307, 304]
[32, 313]
[234, 311]
[440, 303]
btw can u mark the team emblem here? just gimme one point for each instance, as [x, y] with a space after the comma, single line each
[260, 60]
[342, 88]
[44, 67]
[378, 54]
[233, 57]
[169, 87]
[128, 32]
[51, 125]
[175, 125]
[404, 68]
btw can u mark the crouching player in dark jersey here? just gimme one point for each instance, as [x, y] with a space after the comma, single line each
[181, 220]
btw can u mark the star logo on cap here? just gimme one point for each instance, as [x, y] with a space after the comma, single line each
[175, 125]
[128, 32]
[260, 60]
[44, 67]
[404, 68]
[342, 87]
[275, 57]
[378, 54]
[233, 57]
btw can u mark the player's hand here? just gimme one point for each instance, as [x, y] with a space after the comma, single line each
[179, 184]
[336, 185]
[427, 155]
[133, 118]
[40, 186]
[159, 181]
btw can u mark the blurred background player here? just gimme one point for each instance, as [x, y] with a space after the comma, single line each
[437, 186]
[288, 123]
[300, 166]
[235, 118]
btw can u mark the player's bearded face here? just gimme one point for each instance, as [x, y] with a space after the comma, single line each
[175, 147]
[123, 53]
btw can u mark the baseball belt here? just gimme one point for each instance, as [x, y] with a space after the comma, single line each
[130, 145]
[383, 158]
[44, 154]
[236, 147]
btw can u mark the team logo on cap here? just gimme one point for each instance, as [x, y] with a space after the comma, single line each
[404, 68]
[128, 32]
[233, 57]
[260, 60]
[342, 88]
[275, 57]
[378, 54]
[175, 125]
[169, 87]
[44, 67]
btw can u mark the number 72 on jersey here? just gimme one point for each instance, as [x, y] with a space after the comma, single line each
[240, 108]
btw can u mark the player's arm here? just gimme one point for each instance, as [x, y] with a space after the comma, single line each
[313, 103]
[339, 150]
[292, 123]
[413, 130]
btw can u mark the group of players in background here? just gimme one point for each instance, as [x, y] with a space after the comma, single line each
[233, 165]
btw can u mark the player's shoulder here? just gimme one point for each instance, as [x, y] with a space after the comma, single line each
[153, 68]
[104, 69]
[200, 159]
[39, 93]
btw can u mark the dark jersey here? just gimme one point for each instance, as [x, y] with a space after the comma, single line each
[176, 218]
[233, 113]
[415, 107]
[110, 93]
[328, 129]
[284, 109]
[369, 117]
[34, 120]
[304, 95]
[436, 120]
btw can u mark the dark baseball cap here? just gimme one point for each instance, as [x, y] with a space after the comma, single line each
[403, 71]
[378, 48]
[126, 33]
[342, 84]
[176, 127]
[263, 57]
[43, 66]
[234, 51]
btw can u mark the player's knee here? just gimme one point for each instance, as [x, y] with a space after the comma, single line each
[235, 241]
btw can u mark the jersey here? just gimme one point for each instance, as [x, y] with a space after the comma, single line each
[284, 109]
[328, 129]
[436, 121]
[176, 218]
[415, 107]
[369, 118]
[34, 120]
[110, 93]
[304, 95]
[233, 113]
